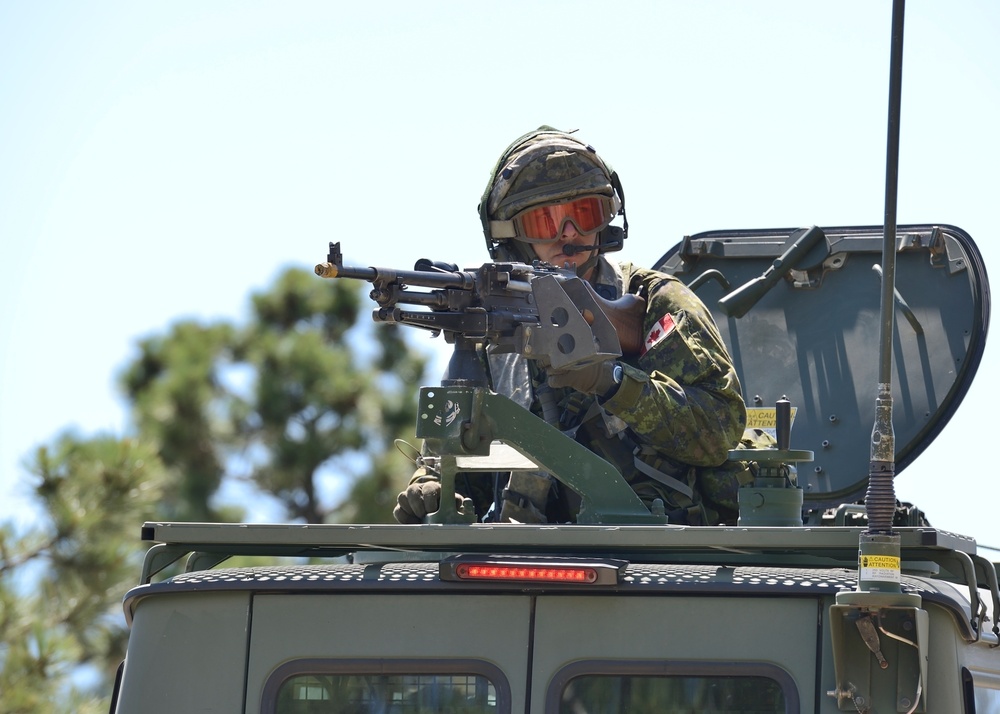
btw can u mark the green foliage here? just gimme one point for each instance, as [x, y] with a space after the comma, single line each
[283, 404]
[61, 583]
[177, 402]
[317, 403]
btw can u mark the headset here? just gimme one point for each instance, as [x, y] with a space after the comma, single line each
[609, 239]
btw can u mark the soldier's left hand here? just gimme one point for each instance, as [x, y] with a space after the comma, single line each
[597, 378]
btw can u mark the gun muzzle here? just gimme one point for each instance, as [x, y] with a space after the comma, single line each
[326, 270]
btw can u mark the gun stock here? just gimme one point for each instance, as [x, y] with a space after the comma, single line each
[626, 315]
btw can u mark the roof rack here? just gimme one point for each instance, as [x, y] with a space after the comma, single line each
[939, 554]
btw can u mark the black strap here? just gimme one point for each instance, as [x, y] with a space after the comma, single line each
[518, 499]
[616, 184]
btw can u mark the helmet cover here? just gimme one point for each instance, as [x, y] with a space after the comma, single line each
[544, 166]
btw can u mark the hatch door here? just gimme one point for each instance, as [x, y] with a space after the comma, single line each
[807, 327]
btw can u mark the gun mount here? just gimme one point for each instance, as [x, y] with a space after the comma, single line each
[544, 313]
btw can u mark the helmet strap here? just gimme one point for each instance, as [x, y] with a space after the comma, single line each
[617, 241]
[589, 263]
[514, 251]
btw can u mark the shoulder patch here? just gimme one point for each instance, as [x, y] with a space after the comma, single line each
[658, 332]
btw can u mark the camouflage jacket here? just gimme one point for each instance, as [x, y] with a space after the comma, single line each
[669, 426]
[680, 395]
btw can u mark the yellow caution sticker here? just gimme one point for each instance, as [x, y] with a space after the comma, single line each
[879, 567]
[765, 419]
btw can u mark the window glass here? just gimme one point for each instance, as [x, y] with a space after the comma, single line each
[982, 695]
[672, 694]
[987, 701]
[386, 694]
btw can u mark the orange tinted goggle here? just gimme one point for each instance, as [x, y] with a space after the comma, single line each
[544, 223]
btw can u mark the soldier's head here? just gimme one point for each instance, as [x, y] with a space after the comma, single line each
[552, 198]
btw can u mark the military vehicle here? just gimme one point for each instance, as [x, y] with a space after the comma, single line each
[623, 612]
[827, 596]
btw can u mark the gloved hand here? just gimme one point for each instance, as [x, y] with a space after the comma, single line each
[597, 378]
[421, 497]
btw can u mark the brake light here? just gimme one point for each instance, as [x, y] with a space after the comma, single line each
[532, 573]
[540, 570]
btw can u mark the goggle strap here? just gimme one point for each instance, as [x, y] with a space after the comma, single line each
[502, 229]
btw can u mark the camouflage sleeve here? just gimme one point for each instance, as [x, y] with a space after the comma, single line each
[681, 393]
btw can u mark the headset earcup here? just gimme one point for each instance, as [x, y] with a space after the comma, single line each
[612, 239]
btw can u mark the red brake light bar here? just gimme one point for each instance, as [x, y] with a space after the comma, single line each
[533, 573]
[543, 571]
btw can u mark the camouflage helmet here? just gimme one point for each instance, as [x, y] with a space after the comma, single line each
[545, 166]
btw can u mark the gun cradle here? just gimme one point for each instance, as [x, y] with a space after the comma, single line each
[572, 329]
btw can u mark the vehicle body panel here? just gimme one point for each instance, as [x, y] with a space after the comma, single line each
[189, 655]
[380, 617]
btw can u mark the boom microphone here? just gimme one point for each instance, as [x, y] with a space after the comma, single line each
[572, 248]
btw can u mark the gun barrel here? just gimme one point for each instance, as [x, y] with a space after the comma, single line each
[540, 309]
[463, 280]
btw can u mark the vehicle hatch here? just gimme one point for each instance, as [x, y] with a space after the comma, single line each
[804, 324]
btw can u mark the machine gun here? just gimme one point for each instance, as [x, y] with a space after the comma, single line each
[540, 311]
[546, 313]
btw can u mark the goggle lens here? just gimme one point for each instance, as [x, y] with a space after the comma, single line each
[546, 222]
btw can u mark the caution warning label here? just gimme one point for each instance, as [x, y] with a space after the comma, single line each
[879, 567]
[764, 418]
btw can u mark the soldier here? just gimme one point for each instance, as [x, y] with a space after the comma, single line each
[665, 417]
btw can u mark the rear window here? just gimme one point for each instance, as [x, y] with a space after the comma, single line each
[982, 692]
[680, 695]
[679, 688]
[386, 687]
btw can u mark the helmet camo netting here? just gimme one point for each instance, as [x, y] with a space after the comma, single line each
[546, 170]
[545, 166]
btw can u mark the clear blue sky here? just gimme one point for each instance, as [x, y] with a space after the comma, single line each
[163, 160]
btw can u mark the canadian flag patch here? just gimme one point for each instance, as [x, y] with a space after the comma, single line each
[658, 332]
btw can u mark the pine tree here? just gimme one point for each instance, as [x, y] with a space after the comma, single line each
[294, 407]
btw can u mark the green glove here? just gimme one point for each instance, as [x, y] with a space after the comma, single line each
[598, 378]
[421, 497]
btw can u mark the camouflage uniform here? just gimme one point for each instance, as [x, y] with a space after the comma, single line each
[668, 427]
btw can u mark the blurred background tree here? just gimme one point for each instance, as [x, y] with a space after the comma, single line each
[294, 409]
[61, 583]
